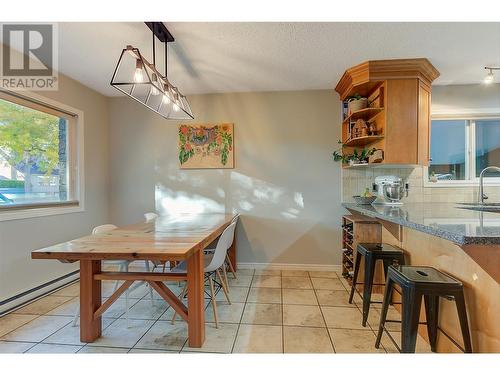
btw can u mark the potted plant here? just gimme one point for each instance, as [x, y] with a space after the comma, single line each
[357, 157]
[356, 103]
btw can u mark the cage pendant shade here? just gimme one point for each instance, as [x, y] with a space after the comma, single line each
[137, 78]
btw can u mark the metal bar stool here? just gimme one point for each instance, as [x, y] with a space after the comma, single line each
[417, 282]
[373, 252]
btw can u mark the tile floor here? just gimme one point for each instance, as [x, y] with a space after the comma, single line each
[272, 311]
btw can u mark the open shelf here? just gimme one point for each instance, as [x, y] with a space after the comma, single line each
[363, 141]
[365, 114]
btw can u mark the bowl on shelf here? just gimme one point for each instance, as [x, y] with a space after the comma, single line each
[364, 200]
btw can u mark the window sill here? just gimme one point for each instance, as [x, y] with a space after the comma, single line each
[8, 213]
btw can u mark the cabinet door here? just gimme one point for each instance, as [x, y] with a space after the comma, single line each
[424, 106]
[401, 122]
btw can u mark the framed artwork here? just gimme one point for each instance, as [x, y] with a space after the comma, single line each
[206, 146]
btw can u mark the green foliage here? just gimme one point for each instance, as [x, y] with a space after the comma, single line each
[11, 184]
[185, 155]
[354, 97]
[29, 135]
[356, 155]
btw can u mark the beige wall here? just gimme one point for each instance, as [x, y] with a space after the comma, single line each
[452, 100]
[18, 272]
[466, 99]
[284, 183]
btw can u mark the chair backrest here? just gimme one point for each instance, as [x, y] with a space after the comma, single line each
[103, 228]
[235, 219]
[150, 216]
[225, 241]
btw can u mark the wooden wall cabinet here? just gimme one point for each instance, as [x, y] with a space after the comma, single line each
[399, 97]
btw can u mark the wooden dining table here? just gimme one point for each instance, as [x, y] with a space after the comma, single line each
[179, 238]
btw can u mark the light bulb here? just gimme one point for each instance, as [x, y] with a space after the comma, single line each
[166, 99]
[138, 77]
[154, 81]
[489, 78]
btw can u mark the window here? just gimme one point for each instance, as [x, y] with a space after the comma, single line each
[39, 159]
[461, 148]
[487, 140]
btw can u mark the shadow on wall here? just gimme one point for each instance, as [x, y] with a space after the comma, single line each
[275, 225]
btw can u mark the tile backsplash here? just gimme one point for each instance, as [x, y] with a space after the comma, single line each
[356, 180]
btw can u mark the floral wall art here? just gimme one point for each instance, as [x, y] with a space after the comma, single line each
[206, 146]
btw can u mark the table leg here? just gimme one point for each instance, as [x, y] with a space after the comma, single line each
[196, 300]
[90, 300]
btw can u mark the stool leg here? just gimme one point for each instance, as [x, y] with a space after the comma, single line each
[387, 263]
[431, 303]
[462, 316]
[383, 313]
[411, 314]
[357, 263]
[367, 287]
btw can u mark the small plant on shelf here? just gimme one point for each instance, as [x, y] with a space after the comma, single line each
[357, 157]
[356, 102]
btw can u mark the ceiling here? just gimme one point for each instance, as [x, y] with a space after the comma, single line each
[237, 57]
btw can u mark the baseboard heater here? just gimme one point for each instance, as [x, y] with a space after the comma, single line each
[28, 296]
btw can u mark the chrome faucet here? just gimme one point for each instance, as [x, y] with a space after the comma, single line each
[483, 196]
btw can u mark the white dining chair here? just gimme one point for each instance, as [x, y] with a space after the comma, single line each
[227, 261]
[150, 216]
[214, 262]
[122, 267]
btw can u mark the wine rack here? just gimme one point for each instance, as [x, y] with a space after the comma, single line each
[356, 230]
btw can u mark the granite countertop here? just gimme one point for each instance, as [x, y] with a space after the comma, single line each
[445, 220]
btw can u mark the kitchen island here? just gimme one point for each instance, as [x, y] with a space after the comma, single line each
[461, 242]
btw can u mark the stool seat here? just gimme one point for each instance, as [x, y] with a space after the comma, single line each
[380, 248]
[412, 275]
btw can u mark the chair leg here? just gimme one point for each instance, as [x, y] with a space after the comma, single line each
[410, 317]
[127, 305]
[383, 312]
[431, 303]
[231, 268]
[224, 286]
[214, 303]
[181, 296]
[76, 316]
[121, 268]
[147, 284]
[127, 308]
[225, 276]
[464, 325]
[367, 287]
[357, 263]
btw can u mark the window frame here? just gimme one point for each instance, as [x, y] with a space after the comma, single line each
[470, 145]
[76, 194]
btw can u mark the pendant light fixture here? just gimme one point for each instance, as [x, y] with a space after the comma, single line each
[142, 81]
[490, 78]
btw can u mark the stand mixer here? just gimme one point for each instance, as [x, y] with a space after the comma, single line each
[390, 190]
